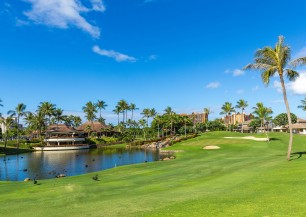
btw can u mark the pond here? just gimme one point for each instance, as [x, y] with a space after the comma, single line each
[49, 164]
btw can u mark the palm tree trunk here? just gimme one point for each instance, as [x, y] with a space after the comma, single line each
[289, 116]
[242, 119]
[18, 133]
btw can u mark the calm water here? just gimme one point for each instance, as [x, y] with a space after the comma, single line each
[46, 165]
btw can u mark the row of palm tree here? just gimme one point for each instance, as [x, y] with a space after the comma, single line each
[123, 107]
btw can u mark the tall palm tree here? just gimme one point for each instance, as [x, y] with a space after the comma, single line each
[36, 122]
[143, 124]
[242, 104]
[8, 123]
[146, 114]
[124, 106]
[169, 112]
[303, 106]
[58, 114]
[90, 111]
[227, 109]
[18, 113]
[133, 108]
[207, 111]
[47, 109]
[101, 105]
[117, 111]
[263, 114]
[271, 61]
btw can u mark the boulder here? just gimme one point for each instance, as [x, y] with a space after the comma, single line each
[27, 179]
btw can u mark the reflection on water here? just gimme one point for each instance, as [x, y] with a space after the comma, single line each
[49, 164]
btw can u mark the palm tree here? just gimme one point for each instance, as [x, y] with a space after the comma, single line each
[133, 108]
[271, 61]
[207, 111]
[117, 111]
[170, 113]
[227, 109]
[58, 114]
[263, 114]
[36, 122]
[101, 105]
[123, 105]
[90, 111]
[186, 120]
[47, 109]
[146, 114]
[8, 123]
[303, 106]
[143, 124]
[242, 104]
[18, 112]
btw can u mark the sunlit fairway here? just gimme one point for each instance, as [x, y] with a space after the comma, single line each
[242, 178]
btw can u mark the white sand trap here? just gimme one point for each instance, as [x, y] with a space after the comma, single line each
[211, 147]
[250, 138]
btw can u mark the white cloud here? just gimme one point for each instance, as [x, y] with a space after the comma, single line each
[64, 14]
[299, 85]
[213, 85]
[119, 57]
[235, 72]
[153, 57]
[296, 87]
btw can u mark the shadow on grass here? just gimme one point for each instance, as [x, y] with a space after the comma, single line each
[274, 139]
[298, 154]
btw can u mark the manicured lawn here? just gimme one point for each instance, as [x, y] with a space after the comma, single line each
[243, 178]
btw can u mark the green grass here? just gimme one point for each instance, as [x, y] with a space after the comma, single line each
[243, 178]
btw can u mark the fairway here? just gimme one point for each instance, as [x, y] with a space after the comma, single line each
[242, 178]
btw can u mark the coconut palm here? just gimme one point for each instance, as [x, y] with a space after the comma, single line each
[227, 109]
[90, 111]
[101, 105]
[132, 109]
[117, 111]
[143, 124]
[242, 104]
[303, 106]
[263, 114]
[8, 124]
[270, 61]
[207, 111]
[58, 115]
[124, 106]
[18, 113]
[47, 109]
[36, 122]
[170, 113]
[146, 114]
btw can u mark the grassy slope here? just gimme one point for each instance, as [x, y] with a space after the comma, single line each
[243, 178]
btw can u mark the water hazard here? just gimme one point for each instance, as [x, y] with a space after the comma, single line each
[49, 164]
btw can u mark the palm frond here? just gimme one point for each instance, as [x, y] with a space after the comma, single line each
[292, 74]
[298, 62]
[266, 75]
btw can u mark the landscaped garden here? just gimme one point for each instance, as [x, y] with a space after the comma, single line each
[242, 178]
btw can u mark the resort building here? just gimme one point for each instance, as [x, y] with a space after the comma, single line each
[94, 127]
[197, 117]
[299, 127]
[237, 118]
[64, 135]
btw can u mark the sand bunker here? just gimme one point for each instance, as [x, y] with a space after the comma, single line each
[210, 147]
[250, 138]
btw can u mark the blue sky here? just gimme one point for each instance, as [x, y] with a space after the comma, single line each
[154, 53]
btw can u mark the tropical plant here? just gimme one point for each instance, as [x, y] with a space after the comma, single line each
[146, 114]
[207, 111]
[270, 61]
[117, 111]
[227, 109]
[36, 122]
[8, 124]
[124, 106]
[132, 108]
[303, 106]
[169, 112]
[58, 115]
[18, 113]
[90, 111]
[143, 124]
[47, 109]
[101, 105]
[282, 119]
[242, 104]
[263, 114]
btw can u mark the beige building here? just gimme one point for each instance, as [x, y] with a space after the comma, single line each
[237, 118]
[197, 117]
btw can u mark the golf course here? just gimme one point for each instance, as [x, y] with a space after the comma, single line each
[241, 178]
